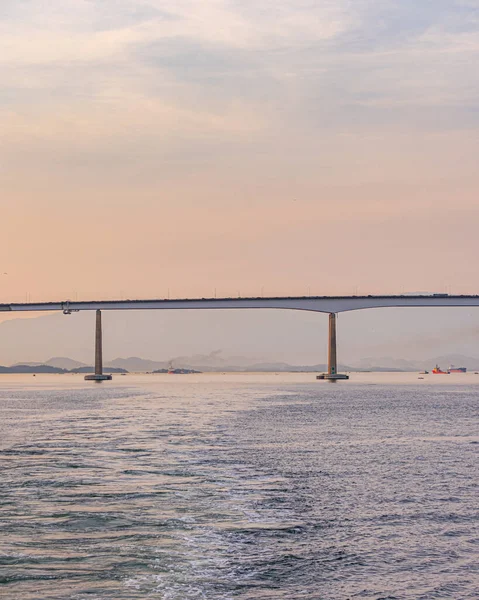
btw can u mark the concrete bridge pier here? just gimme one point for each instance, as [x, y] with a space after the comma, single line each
[98, 376]
[332, 374]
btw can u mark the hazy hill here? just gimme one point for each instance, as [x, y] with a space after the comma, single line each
[369, 363]
[63, 362]
[92, 370]
[215, 362]
[31, 369]
[24, 363]
[458, 360]
[134, 364]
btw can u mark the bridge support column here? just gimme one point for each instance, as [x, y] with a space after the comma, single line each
[98, 376]
[332, 374]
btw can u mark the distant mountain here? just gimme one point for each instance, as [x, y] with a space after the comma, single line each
[386, 362]
[49, 368]
[134, 364]
[210, 362]
[285, 367]
[197, 363]
[215, 362]
[177, 371]
[31, 369]
[92, 370]
[26, 364]
[63, 362]
[458, 360]
[60, 362]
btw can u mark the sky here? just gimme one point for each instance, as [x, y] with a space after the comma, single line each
[238, 147]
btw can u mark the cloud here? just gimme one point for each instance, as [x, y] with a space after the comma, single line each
[228, 99]
[335, 53]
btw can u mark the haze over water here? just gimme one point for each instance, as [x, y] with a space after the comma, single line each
[239, 486]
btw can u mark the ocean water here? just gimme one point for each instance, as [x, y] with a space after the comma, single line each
[239, 486]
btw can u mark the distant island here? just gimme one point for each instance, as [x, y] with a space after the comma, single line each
[176, 371]
[92, 370]
[34, 369]
[217, 363]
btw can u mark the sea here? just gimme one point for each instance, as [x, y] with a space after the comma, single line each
[248, 486]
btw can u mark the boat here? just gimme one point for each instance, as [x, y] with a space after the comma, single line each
[423, 372]
[438, 371]
[453, 369]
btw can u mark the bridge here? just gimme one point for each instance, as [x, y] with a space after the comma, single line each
[325, 304]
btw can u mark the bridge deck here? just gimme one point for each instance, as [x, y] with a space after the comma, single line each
[326, 304]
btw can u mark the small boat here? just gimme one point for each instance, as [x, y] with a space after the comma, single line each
[423, 373]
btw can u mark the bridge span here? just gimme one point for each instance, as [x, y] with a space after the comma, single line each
[325, 304]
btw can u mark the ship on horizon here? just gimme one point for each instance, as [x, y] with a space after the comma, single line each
[452, 369]
[438, 371]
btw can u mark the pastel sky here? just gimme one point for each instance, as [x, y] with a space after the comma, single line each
[274, 146]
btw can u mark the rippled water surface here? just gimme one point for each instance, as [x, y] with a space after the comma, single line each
[252, 487]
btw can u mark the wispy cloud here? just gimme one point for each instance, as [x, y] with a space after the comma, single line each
[349, 47]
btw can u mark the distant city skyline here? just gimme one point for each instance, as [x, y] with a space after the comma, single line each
[292, 147]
